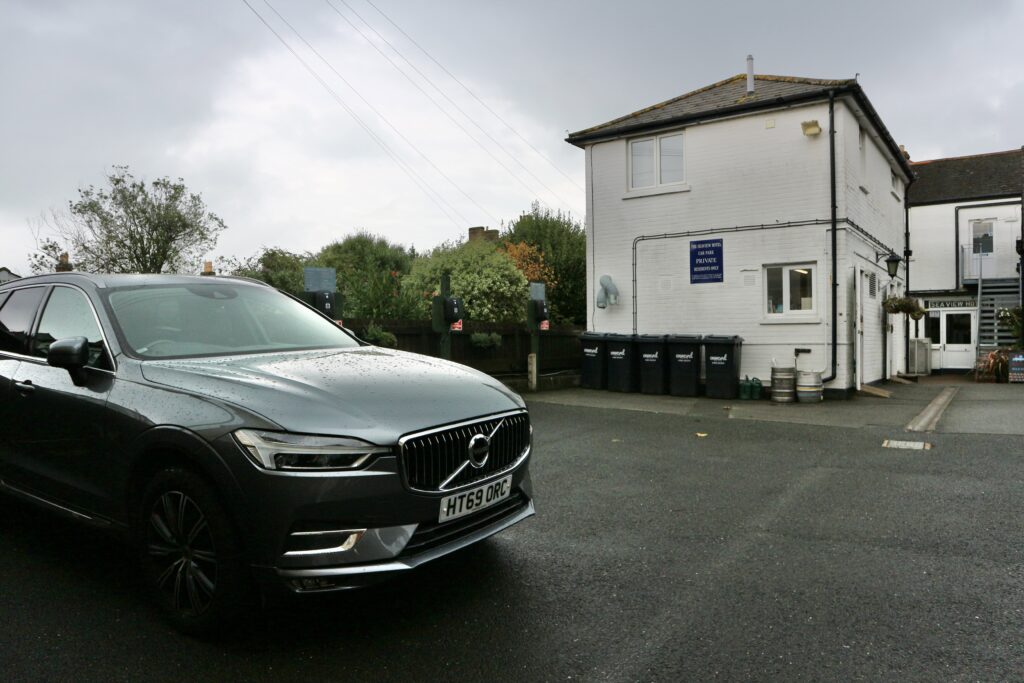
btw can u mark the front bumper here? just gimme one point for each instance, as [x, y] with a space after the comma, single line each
[344, 577]
[398, 527]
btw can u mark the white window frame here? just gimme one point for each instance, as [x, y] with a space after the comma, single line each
[658, 186]
[788, 315]
[977, 222]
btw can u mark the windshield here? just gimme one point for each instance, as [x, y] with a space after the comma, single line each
[216, 319]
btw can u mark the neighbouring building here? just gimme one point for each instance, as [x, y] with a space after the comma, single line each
[6, 275]
[965, 224]
[758, 206]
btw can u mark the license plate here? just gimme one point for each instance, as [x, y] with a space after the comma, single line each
[468, 502]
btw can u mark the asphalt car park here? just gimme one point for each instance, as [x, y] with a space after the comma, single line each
[666, 547]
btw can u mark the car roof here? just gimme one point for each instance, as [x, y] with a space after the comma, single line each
[109, 280]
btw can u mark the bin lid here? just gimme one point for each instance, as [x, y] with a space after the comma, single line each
[683, 338]
[719, 339]
[620, 338]
[651, 338]
[594, 336]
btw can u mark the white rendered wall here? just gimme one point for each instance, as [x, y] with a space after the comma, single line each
[933, 239]
[756, 170]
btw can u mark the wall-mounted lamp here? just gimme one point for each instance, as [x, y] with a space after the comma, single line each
[811, 128]
[892, 261]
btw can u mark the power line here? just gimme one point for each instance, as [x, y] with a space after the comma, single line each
[474, 96]
[377, 112]
[409, 171]
[440, 108]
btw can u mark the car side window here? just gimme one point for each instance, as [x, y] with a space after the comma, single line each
[68, 313]
[16, 316]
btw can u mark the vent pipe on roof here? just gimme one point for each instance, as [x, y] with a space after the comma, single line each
[750, 74]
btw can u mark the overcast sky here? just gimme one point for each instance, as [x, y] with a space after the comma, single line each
[204, 91]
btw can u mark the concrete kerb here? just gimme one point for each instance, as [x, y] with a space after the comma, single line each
[906, 403]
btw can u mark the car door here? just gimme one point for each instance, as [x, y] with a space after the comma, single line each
[60, 439]
[18, 310]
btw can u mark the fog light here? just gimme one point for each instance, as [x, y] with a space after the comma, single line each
[312, 584]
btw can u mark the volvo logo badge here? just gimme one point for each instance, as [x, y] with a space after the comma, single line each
[479, 450]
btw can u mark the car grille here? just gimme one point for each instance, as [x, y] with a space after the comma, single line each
[433, 534]
[430, 459]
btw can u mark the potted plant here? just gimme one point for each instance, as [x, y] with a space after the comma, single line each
[904, 304]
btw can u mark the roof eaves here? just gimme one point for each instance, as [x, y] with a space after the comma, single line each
[961, 199]
[894, 148]
[819, 82]
[579, 139]
[653, 107]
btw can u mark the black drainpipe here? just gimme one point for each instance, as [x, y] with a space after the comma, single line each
[835, 236]
[907, 253]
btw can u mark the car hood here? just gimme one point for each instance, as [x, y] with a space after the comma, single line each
[367, 392]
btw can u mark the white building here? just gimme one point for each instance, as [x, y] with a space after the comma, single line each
[758, 206]
[965, 220]
[6, 275]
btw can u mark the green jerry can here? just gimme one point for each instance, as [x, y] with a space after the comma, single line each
[756, 389]
[745, 388]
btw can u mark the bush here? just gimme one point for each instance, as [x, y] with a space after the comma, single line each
[1014, 319]
[562, 243]
[485, 340]
[378, 336]
[370, 270]
[491, 287]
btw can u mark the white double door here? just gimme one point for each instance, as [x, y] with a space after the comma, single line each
[954, 339]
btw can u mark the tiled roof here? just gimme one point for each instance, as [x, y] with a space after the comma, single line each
[980, 176]
[714, 99]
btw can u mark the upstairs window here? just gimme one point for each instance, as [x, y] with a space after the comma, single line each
[981, 234]
[656, 161]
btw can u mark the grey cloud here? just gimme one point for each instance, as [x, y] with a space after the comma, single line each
[86, 85]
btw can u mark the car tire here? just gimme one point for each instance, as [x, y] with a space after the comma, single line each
[192, 560]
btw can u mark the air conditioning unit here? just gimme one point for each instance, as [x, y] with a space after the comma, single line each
[920, 360]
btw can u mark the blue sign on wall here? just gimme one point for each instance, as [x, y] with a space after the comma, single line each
[705, 261]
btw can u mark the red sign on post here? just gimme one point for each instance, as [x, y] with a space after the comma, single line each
[457, 326]
[545, 325]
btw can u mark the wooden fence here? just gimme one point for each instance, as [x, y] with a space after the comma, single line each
[559, 346]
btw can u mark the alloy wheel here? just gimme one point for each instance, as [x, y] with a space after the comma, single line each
[183, 557]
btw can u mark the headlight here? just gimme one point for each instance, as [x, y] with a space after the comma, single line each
[301, 452]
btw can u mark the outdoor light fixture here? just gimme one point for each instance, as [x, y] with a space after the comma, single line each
[892, 262]
[607, 293]
[811, 128]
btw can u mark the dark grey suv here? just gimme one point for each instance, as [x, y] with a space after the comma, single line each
[241, 440]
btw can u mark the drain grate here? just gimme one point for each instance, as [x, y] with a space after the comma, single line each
[908, 445]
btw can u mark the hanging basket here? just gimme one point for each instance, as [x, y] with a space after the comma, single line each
[904, 304]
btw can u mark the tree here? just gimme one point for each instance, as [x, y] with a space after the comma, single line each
[484, 276]
[134, 227]
[277, 267]
[563, 243]
[370, 271]
[530, 262]
[46, 257]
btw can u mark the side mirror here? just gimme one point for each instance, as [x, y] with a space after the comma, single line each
[72, 354]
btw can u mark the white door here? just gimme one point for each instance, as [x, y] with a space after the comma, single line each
[958, 343]
[953, 338]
